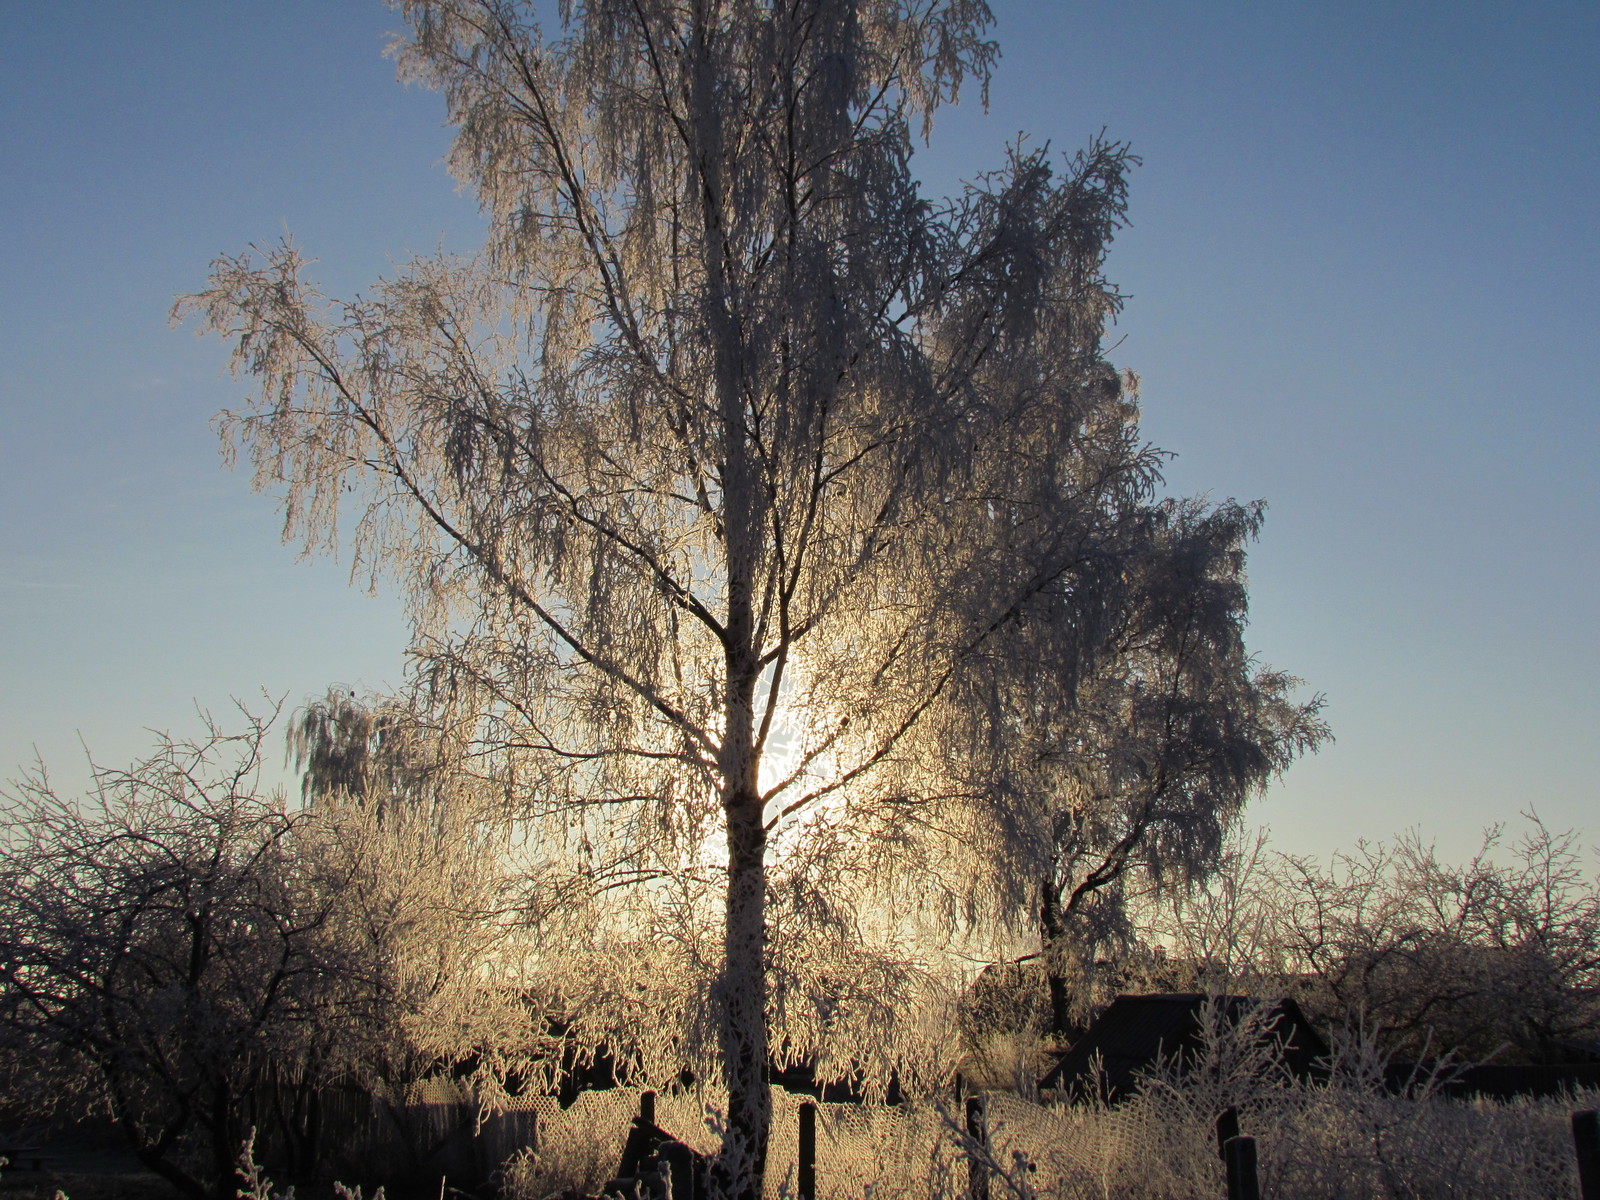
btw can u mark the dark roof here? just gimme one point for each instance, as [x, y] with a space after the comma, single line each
[1134, 1032]
[800, 1079]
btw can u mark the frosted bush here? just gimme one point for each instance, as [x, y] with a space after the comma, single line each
[1343, 1138]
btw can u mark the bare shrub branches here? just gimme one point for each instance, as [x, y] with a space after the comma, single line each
[206, 958]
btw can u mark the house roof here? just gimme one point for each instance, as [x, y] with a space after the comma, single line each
[1135, 1032]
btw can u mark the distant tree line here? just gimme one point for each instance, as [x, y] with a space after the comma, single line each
[1494, 959]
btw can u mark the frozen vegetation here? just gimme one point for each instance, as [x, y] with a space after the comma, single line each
[1348, 1138]
[798, 624]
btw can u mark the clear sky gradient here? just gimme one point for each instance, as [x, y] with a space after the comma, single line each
[1361, 277]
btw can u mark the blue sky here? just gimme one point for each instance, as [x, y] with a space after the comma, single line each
[1361, 286]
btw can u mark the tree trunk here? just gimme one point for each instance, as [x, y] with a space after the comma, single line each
[743, 986]
[1052, 953]
[154, 1159]
[744, 995]
[1062, 1026]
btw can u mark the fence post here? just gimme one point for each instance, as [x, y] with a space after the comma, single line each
[806, 1169]
[647, 1108]
[1240, 1155]
[978, 1131]
[1227, 1127]
[678, 1166]
[1586, 1142]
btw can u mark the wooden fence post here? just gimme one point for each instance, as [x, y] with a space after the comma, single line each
[806, 1170]
[978, 1131]
[1586, 1142]
[1227, 1127]
[647, 1108]
[1240, 1155]
[678, 1166]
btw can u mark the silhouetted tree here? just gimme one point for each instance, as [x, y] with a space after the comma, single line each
[160, 935]
[1114, 775]
[207, 959]
[1498, 957]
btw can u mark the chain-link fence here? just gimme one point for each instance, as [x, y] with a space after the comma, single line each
[1315, 1143]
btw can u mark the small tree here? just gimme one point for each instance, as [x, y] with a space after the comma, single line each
[1179, 729]
[1123, 768]
[161, 936]
[729, 429]
[430, 932]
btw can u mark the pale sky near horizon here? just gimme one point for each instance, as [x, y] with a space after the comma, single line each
[1361, 275]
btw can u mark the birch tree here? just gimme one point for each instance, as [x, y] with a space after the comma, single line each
[1111, 777]
[1176, 730]
[729, 437]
